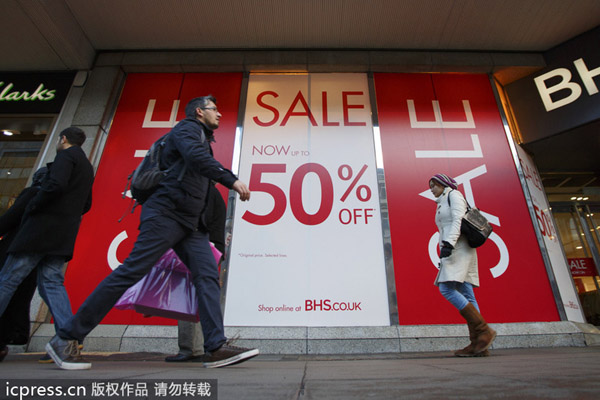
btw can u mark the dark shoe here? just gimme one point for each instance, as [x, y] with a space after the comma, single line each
[228, 355]
[66, 354]
[179, 357]
[46, 359]
[3, 353]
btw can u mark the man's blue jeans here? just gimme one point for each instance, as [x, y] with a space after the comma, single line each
[50, 282]
[158, 234]
[459, 294]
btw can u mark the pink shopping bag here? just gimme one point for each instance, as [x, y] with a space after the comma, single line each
[166, 291]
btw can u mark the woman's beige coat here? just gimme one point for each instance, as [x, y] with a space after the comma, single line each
[461, 266]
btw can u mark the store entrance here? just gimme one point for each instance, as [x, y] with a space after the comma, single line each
[21, 140]
[579, 228]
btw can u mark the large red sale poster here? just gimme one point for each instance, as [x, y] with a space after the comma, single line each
[149, 106]
[449, 123]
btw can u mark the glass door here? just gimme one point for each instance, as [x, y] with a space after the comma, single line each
[579, 227]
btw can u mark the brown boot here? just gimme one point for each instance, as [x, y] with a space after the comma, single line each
[467, 351]
[482, 334]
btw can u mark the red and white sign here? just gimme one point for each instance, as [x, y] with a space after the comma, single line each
[582, 267]
[449, 123]
[149, 106]
[556, 256]
[307, 248]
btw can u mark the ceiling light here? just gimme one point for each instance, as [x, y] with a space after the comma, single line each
[10, 132]
[579, 247]
[585, 198]
[573, 198]
[579, 198]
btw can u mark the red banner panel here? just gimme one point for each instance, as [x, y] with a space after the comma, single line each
[449, 123]
[149, 106]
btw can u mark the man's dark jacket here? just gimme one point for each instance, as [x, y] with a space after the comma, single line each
[53, 216]
[185, 200]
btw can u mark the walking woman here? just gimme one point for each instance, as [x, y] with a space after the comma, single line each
[458, 265]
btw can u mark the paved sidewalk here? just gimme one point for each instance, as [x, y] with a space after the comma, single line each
[541, 373]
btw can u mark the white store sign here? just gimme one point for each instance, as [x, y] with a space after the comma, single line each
[307, 248]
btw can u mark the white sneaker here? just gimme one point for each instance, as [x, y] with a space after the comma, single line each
[66, 354]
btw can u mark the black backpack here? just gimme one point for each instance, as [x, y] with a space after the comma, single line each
[144, 180]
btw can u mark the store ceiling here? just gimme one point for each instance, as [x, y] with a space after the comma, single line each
[67, 34]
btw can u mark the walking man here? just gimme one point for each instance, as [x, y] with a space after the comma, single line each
[172, 217]
[49, 226]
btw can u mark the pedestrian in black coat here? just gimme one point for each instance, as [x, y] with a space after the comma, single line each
[46, 236]
[53, 216]
[14, 323]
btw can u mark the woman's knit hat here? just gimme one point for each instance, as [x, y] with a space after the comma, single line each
[444, 180]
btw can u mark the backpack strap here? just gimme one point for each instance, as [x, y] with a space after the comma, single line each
[132, 205]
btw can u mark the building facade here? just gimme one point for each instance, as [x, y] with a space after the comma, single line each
[338, 148]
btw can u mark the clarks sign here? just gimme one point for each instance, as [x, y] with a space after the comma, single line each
[33, 93]
[562, 96]
[41, 93]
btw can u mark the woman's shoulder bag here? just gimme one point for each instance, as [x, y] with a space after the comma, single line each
[474, 226]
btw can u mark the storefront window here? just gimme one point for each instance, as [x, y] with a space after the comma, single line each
[15, 169]
[21, 139]
[579, 229]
